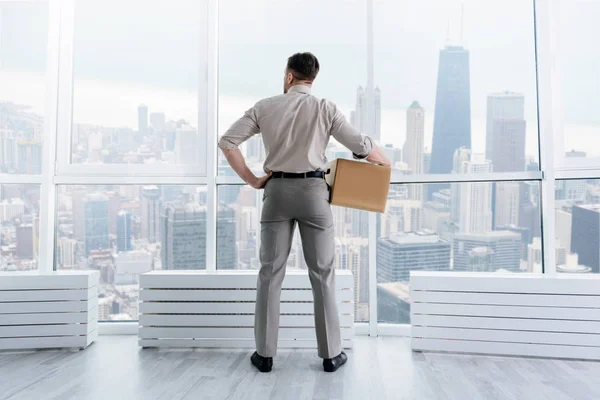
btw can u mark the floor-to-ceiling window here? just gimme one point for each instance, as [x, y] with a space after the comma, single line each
[110, 113]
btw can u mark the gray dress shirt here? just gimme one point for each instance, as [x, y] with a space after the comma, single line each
[296, 128]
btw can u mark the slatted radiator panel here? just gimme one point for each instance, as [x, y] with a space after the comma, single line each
[216, 309]
[506, 314]
[48, 310]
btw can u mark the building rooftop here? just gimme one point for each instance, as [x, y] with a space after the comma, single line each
[398, 289]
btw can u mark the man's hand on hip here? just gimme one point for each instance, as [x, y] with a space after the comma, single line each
[259, 183]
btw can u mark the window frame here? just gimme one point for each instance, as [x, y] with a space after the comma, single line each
[66, 81]
[58, 124]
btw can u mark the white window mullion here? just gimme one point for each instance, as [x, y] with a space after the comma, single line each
[48, 190]
[211, 121]
[373, 274]
[550, 126]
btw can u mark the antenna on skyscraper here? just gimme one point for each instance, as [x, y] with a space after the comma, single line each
[448, 33]
[370, 71]
[462, 21]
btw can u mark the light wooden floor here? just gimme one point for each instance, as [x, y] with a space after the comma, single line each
[384, 368]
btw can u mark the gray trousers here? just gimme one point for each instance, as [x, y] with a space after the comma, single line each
[285, 203]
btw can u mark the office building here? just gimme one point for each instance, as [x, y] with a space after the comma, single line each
[124, 231]
[535, 255]
[452, 114]
[25, 242]
[227, 253]
[401, 216]
[184, 237]
[503, 248]
[30, 157]
[393, 302]
[472, 201]
[158, 121]
[564, 225]
[505, 132]
[367, 115]
[353, 254]
[67, 249]
[506, 203]
[186, 145]
[11, 208]
[142, 120]
[414, 146]
[585, 235]
[151, 211]
[96, 228]
[413, 251]
[8, 149]
[526, 237]
[130, 265]
[574, 190]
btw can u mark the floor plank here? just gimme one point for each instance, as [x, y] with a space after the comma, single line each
[380, 368]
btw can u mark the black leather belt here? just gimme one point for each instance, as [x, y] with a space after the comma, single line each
[302, 175]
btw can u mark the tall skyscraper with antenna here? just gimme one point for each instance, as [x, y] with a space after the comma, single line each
[452, 119]
[367, 115]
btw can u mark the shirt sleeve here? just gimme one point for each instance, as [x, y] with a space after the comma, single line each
[242, 130]
[360, 145]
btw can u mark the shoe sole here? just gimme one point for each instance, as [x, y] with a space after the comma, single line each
[327, 369]
[261, 370]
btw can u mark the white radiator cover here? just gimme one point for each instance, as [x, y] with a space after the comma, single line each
[48, 310]
[216, 309]
[556, 316]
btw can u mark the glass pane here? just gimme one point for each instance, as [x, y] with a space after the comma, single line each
[580, 64]
[23, 48]
[137, 72]
[20, 218]
[472, 226]
[578, 226]
[442, 79]
[126, 230]
[238, 228]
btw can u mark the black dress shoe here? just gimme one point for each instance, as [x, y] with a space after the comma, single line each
[332, 364]
[264, 364]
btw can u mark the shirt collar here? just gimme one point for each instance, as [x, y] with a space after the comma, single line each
[299, 89]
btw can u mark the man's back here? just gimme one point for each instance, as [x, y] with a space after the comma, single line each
[296, 127]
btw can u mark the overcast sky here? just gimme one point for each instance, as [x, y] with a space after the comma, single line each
[156, 42]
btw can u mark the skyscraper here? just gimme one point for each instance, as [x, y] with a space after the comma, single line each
[158, 121]
[186, 145]
[151, 211]
[124, 231]
[505, 132]
[414, 251]
[367, 115]
[142, 120]
[227, 251]
[367, 118]
[30, 157]
[24, 233]
[585, 235]
[506, 203]
[472, 201]
[95, 209]
[184, 237]
[414, 146]
[452, 119]
[490, 250]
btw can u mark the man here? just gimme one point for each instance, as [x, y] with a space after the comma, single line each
[296, 128]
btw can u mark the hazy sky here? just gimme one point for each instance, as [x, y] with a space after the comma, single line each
[156, 43]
